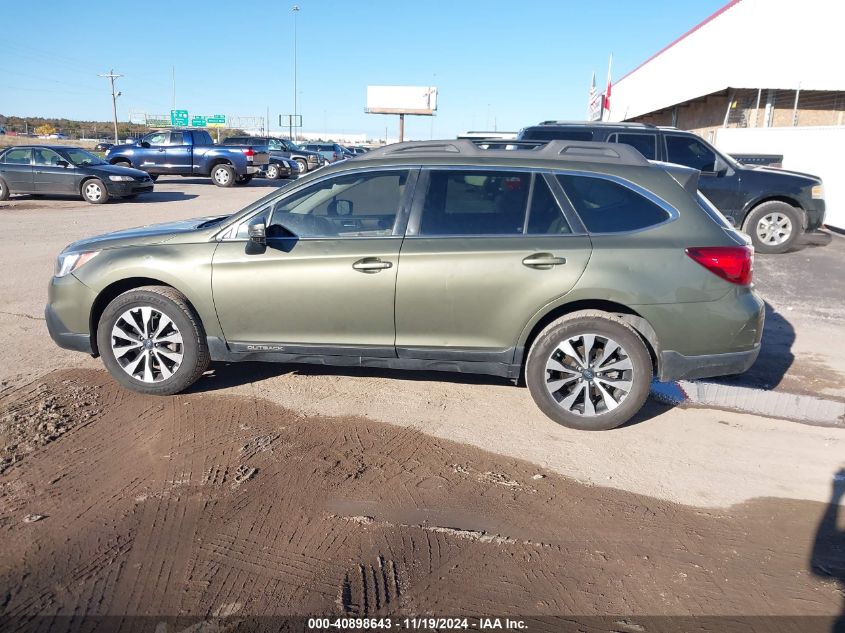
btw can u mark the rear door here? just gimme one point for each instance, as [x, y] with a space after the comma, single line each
[49, 176]
[485, 250]
[17, 170]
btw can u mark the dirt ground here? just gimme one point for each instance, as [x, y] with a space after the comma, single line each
[209, 505]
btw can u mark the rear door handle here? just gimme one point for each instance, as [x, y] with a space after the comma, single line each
[371, 265]
[543, 260]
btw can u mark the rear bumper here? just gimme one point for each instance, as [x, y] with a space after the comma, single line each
[254, 169]
[675, 366]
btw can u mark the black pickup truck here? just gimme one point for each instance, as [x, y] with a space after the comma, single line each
[192, 153]
[772, 206]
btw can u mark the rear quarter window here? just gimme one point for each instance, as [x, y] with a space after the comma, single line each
[606, 206]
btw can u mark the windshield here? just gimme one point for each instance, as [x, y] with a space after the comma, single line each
[81, 158]
[293, 146]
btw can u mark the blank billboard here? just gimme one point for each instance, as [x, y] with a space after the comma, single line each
[401, 99]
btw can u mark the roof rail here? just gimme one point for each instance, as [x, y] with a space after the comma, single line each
[585, 151]
[607, 123]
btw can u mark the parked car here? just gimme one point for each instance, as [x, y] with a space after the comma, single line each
[772, 205]
[46, 169]
[191, 153]
[332, 152]
[103, 146]
[347, 152]
[280, 168]
[358, 150]
[581, 267]
[307, 160]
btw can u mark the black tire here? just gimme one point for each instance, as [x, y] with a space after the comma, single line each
[4, 190]
[243, 180]
[605, 326]
[303, 166]
[174, 305]
[273, 172]
[223, 175]
[94, 191]
[765, 226]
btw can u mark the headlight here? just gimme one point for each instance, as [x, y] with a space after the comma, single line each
[817, 192]
[121, 178]
[68, 262]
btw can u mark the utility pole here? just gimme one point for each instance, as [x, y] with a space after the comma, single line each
[173, 68]
[294, 9]
[112, 76]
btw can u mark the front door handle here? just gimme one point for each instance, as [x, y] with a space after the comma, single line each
[543, 260]
[371, 265]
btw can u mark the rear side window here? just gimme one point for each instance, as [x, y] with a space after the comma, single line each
[562, 134]
[17, 156]
[645, 144]
[609, 207]
[176, 138]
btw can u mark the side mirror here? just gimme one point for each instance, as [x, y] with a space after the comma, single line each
[63, 163]
[144, 144]
[258, 233]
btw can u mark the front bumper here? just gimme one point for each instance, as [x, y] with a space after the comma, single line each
[675, 366]
[123, 189]
[68, 313]
[63, 337]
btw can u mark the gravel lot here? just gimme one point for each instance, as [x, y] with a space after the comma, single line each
[409, 469]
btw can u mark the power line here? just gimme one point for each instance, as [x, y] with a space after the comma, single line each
[112, 76]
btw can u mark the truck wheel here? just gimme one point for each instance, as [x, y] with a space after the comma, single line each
[152, 341]
[223, 175]
[303, 166]
[774, 226]
[4, 190]
[589, 370]
[272, 172]
[94, 191]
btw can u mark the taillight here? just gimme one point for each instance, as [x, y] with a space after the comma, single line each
[249, 151]
[731, 263]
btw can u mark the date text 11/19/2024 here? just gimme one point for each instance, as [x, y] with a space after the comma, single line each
[416, 624]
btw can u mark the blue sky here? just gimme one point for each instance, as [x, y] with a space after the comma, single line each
[495, 62]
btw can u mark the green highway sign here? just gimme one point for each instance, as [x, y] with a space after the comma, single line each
[178, 117]
[198, 121]
[218, 120]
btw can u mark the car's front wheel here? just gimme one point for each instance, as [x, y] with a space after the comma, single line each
[94, 191]
[4, 190]
[774, 227]
[152, 341]
[589, 370]
[272, 172]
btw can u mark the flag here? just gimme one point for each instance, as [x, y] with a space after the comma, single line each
[593, 102]
[606, 98]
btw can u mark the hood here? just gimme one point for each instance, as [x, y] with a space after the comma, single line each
[784, 172]
[142, 235]
[117, 170]
[122, 146]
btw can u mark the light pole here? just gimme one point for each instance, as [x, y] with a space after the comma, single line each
[294, 9]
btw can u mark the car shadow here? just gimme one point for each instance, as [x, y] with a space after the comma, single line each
[224, 375]
[255, 182]
[161, 196]
[827, 559]
[775, 357]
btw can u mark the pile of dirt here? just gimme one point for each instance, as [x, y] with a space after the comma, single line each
[42, 413]
[200, 505]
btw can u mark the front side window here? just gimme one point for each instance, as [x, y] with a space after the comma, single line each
[351, 205]
[274, 144]
[606, 206]
[81, 158]
[156, 138]
[46, 157]
[690, 152]
[645, 144]
[17, 156]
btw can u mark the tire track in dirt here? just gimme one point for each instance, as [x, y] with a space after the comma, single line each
[348, 516]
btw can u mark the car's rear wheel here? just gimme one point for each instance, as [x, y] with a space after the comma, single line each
[4, 190]
[152, 341]
[774, 227]
[272, 172]
[223, 175]
[94, 191]
[589, 370]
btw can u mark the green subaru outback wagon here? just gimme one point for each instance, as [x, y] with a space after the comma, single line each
[582, 268]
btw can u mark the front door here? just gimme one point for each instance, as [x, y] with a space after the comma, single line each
[155, 156]
[485, 250]
[51, 177]
[17, 170]
[325, 281]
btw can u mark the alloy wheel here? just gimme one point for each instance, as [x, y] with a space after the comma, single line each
[774, 229]
[147, 344]
[93, 191]
[589, 374]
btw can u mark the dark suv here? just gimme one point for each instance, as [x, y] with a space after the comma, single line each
[580, 266]
[772, 205]
[282, 147]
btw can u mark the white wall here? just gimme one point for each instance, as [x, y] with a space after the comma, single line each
[813, 150]
[751, 44]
